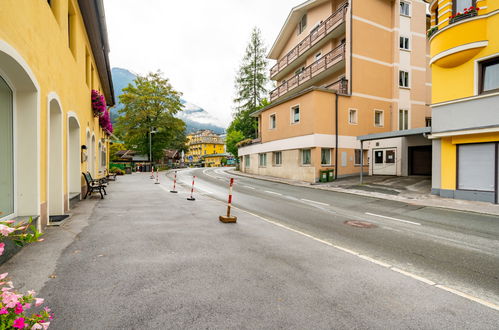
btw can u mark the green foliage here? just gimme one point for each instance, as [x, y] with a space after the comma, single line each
[233, 137]
[113, 149]
[150, 104]
[117, 170]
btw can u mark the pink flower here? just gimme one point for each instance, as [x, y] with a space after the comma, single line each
[39, 301]
[2, 247]
[19, 308]
[31, 292]
[5, 230]
[36, 326]
[27, 306]
[19, 323]
[4, 311]
[45, 325]
[4, 275]
[10, 299]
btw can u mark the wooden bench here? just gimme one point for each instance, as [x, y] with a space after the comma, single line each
[94, 185]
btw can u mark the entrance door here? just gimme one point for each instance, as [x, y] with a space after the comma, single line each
[420, 160]
[385, 161]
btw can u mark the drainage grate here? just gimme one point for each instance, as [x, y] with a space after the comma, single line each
[360, 224]
[58, 218]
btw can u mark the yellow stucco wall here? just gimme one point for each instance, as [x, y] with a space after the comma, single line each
[39, 34]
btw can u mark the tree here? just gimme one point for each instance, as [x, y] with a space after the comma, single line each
[251, 92]
[113, 150]
[150, 104]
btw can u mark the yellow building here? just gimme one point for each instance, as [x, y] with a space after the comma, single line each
[214, 160]
[52, 54]
[344, 69]
[464, 46]
[203, 143]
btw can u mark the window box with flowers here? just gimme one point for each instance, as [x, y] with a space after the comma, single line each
[432, 31]
[467, 13]
[100, 110]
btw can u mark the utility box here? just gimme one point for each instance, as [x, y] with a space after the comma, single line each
[323, 176]
[330, 175]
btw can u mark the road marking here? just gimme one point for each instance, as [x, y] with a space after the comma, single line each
[273, 192]
[467, 296]
[308, 200]
[211, 176]
[249, 187]
[394, 219]
[416, 277]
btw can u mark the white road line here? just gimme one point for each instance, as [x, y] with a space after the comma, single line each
[211, 176]
[394, 219]
[249, 187]
[308, 200]
[273, 192]
[467, 296]
[416, 277]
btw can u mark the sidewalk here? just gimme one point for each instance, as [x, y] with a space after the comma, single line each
[416, 192]
[144, 258]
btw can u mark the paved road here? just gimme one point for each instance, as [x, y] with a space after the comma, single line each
[458, 250]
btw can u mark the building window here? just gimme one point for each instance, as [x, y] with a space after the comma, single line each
[390, 157]
[357, 157]
[262, 160]
[378, 157]
[460, 5]
[403, 119]
[489, 80]
[247, 161]
[404, 43]
[6, 150]
[428, 121]
[300, 70]
[352, 116]
[302, 24]
[295, 114]
[378, 118]
[318, 56]
[306, 157]
[436, 16]
[103, 156]
[272, 121]
[277, 158]
[404, 79]
[325, 156]
[72, 29]
[405, 8]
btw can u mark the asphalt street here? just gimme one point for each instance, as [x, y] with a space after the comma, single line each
[454, 249]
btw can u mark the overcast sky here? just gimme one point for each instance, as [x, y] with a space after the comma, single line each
[198, 44]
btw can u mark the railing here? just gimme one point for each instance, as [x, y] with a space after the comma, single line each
[315, 36]
[340, 85]
[460, 17]
[322, 64]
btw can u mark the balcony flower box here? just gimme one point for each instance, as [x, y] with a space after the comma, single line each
[468, 13]
[431, 31]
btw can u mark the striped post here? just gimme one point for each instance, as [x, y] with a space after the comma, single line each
[157, 176]
[191, 198]
[152, 171]
[174, 183]
[229, 218]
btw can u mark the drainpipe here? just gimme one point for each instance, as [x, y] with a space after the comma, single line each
[336, 134]
[361, 160]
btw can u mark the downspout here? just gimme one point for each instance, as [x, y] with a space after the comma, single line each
[350, 84]
[336, 135]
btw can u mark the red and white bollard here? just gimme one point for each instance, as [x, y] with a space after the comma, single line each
[157, 177]
[228, 218]
[152, 172]
[174, 183]
[191, 198]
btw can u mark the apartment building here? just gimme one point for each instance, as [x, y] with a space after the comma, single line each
[344, 69]
[464, 41]
[202, 144]
[52, 55]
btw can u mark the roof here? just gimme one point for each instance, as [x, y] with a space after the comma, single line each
[171, 153]
[289, 26]
[94, 18]
[394, 134]
[216, 155]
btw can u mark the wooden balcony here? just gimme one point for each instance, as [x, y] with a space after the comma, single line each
[316, 71]
[316, 37]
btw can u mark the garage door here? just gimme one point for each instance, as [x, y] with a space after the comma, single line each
[420, 160]
[476, 167]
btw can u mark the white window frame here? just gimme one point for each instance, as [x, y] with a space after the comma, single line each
[330, 152]
[408, 6]
[274, 158]
[356, 116]
[408, 79]
[272, 125]
[318, 56]
[405, 41]
[292, 114]
[404, 123]
[302, 159]
[301, 26]
[382, 118]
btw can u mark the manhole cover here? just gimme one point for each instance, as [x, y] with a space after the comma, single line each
[360, 224]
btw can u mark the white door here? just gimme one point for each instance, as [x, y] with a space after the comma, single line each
[384, 161]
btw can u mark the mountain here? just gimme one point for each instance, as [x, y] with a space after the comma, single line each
[195, 117]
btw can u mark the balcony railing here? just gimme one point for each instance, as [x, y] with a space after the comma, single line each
[314, 37]
[341, 86]
[325, 62]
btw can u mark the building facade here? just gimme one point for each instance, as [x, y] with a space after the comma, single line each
[201, 144]
[52, 55]
[344, 69]
[464, 42]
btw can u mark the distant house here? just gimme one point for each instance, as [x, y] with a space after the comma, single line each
[171, 157]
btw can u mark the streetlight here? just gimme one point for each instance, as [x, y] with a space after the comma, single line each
[151, 131]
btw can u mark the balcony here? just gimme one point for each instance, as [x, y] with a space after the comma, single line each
[313, 41]
[329, 63]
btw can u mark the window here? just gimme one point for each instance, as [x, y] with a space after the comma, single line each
[403, 119]
[458, 6]
[295, 114]
[72, 29]
[300, 70]
[246, 160]
[272, 122]
[378, 118]
[103, 156]
[436, 16]
[405, 8]
[262, 159]
[357, 157]
[318, 56]
[390, 156]
[428, 121]
[378, 157]
[404, 79]
[306, 157]
[352, 116]
[277, 158]
[489, 80]
[404, 43]
[6, 150]
[303, 24]
[325, 156]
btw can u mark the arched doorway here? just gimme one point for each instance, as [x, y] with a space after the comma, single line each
[55, 159]
[22, 163]
[74, 161]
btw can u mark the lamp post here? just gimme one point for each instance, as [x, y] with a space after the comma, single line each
[151, 131]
